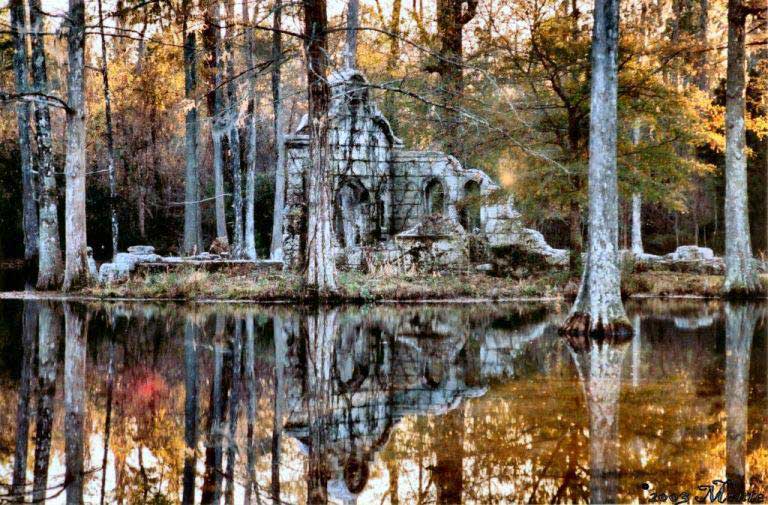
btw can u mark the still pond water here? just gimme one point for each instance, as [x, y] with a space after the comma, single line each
[393, 404]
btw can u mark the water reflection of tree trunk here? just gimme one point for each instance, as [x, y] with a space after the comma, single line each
[28, 335]
[740, 321]
[448, 442]
[599, 366]
[108, 416]
[74, 400]
[190, 411]
[319, 337]
[234, 404]
[50, 332]
[281, 353]
[250, 387]
[213, 474]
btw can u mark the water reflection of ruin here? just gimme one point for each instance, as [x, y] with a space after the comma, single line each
[351, 377]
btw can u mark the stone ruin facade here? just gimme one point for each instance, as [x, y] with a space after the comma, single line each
[393, 205]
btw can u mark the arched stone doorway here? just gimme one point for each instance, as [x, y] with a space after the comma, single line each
[351, 199]
[470, 210]
[434, 197]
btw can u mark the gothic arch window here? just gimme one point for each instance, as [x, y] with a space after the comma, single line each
[350, 221]
[470, 206]
[434, 197]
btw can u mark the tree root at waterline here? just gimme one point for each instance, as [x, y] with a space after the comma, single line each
[580, 330]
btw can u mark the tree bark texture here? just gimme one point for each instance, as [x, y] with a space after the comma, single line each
[276, 246]
[740, 272]
[76, 272]
[23, 115]
[233, 135]
[249, 47]
[49, 266]
[353, 24]
[320, 269]
[598, 310]
[193, 232]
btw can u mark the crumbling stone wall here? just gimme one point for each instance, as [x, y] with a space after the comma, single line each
[380, 189]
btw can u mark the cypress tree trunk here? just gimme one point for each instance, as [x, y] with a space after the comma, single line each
[193, 233]
[23, 114]
[233, 135]
[320, 272]
[353, 23]
[76, 273]
[74, 401]
[740, 272]
[49, 267]
[598, 310]
[212, 39]
[115, 230]
[276, 246]
[637, 223]
[250, 170]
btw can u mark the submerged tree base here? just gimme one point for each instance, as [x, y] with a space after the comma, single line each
[580, 330]
[744, 292]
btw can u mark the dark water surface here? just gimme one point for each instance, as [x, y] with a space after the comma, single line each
[225, 403]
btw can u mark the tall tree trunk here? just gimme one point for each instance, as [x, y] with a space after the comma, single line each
[702, 79]
[74, 401]
[740, 272]
[193, 232]
[110, 135]
[250, 171]
[76, 272]
[233, 134]
[321, 268]
[452, 15]
[637, 223]
[276, 246]
[392, 59]
[49, 267]
[353, 24]
[28, 336]
[212, 40]
[23, 114]
[598, 309]
[740, 323]
[47, 355]
[190, 411]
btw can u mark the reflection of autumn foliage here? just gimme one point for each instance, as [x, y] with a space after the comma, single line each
[140, 392]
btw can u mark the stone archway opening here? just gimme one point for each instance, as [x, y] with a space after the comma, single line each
[470, 207]
[351, 199]
[434, 197]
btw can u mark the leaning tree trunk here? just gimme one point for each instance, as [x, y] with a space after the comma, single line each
[320, 272]
[74, 401]
[250, 172]
[233, 134]
[193, 233]
[353, 24]
[110, 135]
[740, 272]
[598, 310]
[76, 272]
[49, 266]
[23, 113]
[276, 247]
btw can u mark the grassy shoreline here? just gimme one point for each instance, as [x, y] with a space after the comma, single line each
[361, 288]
